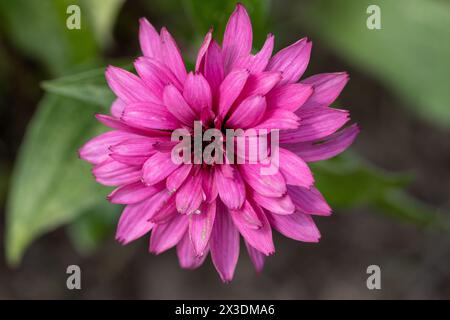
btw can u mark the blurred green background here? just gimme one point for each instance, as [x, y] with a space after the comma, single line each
[390, 191]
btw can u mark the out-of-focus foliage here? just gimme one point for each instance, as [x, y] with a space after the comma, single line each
[410, 54]
[51, 186]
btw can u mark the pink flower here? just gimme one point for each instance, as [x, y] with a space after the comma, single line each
[201, 208]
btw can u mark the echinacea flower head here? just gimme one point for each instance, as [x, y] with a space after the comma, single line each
[205, 207]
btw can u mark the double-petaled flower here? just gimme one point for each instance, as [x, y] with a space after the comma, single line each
[204, 208]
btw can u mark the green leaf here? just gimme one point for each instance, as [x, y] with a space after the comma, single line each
[38, 29]
[50, 185]
[348, 181]
[410, 54]
[102, 14]
[89, 86]
[89, 230]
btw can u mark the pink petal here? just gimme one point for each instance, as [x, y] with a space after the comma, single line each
[257, 63]
[294, 169]
[237, 39]
[309, 201]
[133, 223]
[256, 257]
[128, 87]
[122, 126]
[292, 61]
[149, 39]
[197, 92]
[279, 205]
[231, 188]
[186, 254]
[209, 185]
[157, 168]
[289, 97]
[297, 226]
[260, 238]
[133, 193]
[190, 195]
[246, 216]
[166, 213]
[315, 124]
[156, 75]
[224, 244]
[117, 108]
[113, 173]
[327, 87]
[97, 150]
[332, 146]
[149, 116]
[134, 146]
[268, 185]
[248, 113]
[167, 235]
[230, 89]
[213, 68]
[178, 107]
[200, 227]
[172, 55]
[279, 119]
[202, 51]
[177, 177]
[260, 83]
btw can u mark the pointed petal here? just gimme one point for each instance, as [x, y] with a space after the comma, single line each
[268, 185]
[97, 150]
[246, 216]
[224, 244]
[260, 238]
[190, 195]
[332, 146]
[292, 61]
[122, 126]
[295, 170]
[177, 177]
[113, 173]
[187, 256]
[149, 116]
[117, 108]
[213, 69]
[279, 119]
[256, 257]
[133, 193]
[248, 113]
[260, 84]
[200, 227]
[197, 92]
[132, 223]
[279, 205]
[128, 87]
[172, 55]
[177, 106]
[289, 97]
[156, 76]
[202, 51]
[166, 213]
[315, 124]
[309, 201]
[157, 168]
[327, 87]
[230, 89]
[231, 188]
[167, 235]
[209, 185]
[258, 62]
[238, 37]
[149, 39]
[297, 226]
